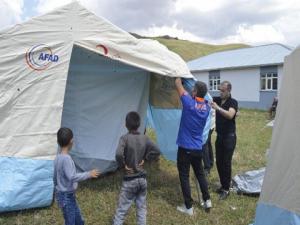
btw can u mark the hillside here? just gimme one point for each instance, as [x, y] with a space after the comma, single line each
[191, 50]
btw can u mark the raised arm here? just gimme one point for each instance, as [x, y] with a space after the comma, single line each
[179, 87]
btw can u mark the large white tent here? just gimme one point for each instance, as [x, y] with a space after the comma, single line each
[71, 68]
[279, 201]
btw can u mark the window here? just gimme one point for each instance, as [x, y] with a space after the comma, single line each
[269, 82]
[214, 80]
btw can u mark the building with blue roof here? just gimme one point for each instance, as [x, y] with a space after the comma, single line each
[255, 73]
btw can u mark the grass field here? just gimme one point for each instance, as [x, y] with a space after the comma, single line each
[98, 198]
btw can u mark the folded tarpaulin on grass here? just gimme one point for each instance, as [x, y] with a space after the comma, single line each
[249, 182]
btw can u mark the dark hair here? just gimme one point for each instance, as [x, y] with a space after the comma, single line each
[133, 121]
[201, 89]
[64, 136]
[228, 85]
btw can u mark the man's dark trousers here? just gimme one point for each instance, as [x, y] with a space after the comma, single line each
[185, 158]
[225, 145]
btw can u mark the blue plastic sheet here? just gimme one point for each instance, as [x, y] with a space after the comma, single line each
[267, 214]
[25, 183]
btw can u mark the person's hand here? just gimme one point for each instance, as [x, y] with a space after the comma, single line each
[215, 106]
[178, 81]
[141, 163]
[128, 169]
[94, 173]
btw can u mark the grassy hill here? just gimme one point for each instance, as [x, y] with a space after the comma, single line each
[191, 50]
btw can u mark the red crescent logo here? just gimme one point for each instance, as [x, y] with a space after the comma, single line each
[104, 48]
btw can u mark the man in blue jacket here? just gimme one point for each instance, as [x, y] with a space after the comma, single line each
[195, 111]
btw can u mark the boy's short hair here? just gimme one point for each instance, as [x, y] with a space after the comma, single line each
[133, 121]
[64, 136]
[201, 89]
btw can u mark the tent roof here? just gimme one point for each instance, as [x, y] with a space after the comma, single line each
[84, 28]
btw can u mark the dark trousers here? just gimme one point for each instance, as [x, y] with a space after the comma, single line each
[225, 145]
[68, 205]
[208, 155]
[185, 158]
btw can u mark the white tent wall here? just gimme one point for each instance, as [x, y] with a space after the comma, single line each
[34, 65]
[99, 93]
[31, 101]
[279, 201]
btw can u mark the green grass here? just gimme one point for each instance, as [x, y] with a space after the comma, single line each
[191, 50]
[98, 198]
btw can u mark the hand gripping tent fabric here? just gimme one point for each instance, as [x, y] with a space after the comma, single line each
[71, 68]
[279, 201]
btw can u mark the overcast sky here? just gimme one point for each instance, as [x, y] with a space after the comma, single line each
[252, 22]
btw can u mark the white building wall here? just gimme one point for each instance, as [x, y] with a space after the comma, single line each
[201, 76]
[245, 83]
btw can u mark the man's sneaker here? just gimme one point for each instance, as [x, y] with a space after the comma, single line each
[207, 204]
[223, 195]
[183, 209]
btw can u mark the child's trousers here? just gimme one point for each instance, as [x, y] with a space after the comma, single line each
[132, 191]
[67, 203]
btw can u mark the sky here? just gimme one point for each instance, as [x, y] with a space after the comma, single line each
[253, 22]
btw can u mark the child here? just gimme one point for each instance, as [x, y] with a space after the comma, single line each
[66, 178]
[133, 149]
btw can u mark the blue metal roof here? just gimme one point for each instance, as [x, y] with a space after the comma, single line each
[271, 54]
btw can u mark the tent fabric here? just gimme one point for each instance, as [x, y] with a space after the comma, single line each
[163, 93]
[166, 125]
[69, 67]
[249, 182]
[281, 183]
[272, 215]
[98, 124]
[25, 183]
[39, 76]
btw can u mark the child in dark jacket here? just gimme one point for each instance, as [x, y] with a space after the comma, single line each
[133, 149]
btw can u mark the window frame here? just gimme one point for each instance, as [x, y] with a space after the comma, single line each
[214, 81]
[267, 81]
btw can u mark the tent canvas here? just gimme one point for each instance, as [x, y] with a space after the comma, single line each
[72, 68]
[279, 202]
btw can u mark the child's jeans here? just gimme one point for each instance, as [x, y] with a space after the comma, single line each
[132, 190]
[67, 202]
